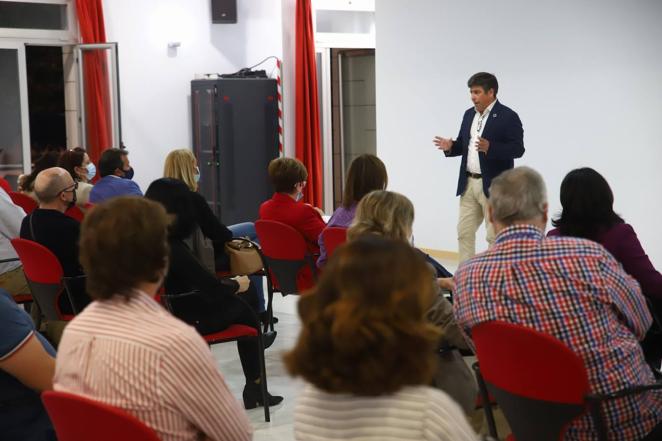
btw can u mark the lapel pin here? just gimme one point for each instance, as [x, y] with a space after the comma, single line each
[494, 115]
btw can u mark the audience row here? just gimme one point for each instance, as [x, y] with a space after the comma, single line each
[380, 340]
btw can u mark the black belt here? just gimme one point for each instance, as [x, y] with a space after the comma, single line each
[474, 175]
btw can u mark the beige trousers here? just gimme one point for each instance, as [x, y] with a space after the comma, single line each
[473, 210]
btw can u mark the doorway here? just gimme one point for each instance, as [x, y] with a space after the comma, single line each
[353, 111]
[46, 102]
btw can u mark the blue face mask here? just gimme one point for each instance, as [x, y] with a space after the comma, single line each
[91, 171]
[196, 177]
[299, 197]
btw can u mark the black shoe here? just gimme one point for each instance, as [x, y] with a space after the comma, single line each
[264, 318]
[253, 396]
[268, 338]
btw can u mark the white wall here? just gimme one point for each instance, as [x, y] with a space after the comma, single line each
[583, 76]
[155, 82]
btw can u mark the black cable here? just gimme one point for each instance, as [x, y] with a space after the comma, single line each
[251, 68]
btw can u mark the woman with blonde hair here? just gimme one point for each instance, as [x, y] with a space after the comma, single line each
[391, 214]
[181, 164]
[367, 351]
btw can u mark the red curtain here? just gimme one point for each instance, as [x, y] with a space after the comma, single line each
[307, 124]
[95, 72]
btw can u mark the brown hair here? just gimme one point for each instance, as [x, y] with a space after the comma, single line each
[364, 329]
[71, 159]
[366, 173]
[123, 242]
[382, 212]
[285, 173]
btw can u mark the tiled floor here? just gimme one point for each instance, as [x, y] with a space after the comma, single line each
[280, 427]
[280, 383]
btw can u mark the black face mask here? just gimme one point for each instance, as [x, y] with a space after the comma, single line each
[128, 174]
[72, 203]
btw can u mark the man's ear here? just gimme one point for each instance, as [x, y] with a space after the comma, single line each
[490, 214]
[545, 210]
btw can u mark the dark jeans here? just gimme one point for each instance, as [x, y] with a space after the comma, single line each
[210, 311]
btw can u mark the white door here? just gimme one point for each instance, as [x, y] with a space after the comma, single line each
[104, 55]
[14, 116]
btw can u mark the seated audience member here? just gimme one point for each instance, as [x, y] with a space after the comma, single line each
[26, 182]
[82, 170]
[216, 304]
[588, 212]
[125, 350]
[181, 164]
[570, 288]
[11, 273]
[113, 166]
[288, 177]
[391, 215]
[367, 351]
[26, 369]
[366, 173]
[49, 226]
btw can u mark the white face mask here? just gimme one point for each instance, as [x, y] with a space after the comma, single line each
[299, 196]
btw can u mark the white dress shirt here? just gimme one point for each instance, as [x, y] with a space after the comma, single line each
[477, 126]
[11, 217]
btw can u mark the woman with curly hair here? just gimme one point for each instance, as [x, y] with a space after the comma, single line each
[367, 350]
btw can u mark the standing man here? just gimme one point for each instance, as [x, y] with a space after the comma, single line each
[490, 138]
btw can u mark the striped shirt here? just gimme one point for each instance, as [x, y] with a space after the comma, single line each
[412, 413]
[576, 291]
[135, 356]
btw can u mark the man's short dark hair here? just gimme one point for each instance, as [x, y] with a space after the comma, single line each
[485, 80]
[110, 161]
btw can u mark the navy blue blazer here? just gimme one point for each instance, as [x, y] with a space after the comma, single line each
[503, 129]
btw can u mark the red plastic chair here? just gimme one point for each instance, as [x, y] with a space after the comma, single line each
[230, 334]
[44, 274]
[5, 185]
[77, 418]
[539, 383]
[75, 213]
[333, 237]
[291, 267]
[24, 201]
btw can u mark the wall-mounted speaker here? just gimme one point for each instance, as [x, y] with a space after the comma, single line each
[223, 11]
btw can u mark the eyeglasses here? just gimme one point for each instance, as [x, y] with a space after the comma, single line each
[69, 189]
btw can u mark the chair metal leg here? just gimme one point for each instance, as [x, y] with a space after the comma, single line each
[263, 379]
[487, 406]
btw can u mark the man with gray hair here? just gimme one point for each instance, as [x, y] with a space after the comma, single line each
[49, 226]
[570, 288]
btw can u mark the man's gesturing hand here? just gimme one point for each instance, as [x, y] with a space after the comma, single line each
[444, 144]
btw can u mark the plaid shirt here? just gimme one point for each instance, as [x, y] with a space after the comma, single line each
[576, 291]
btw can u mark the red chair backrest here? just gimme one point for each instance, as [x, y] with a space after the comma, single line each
[529, 363]
[5, 185]
[39, 263]
[280, 241]
[24, 201]
[333, 237]
[77, 418]
[291, 266]
[75, 213]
